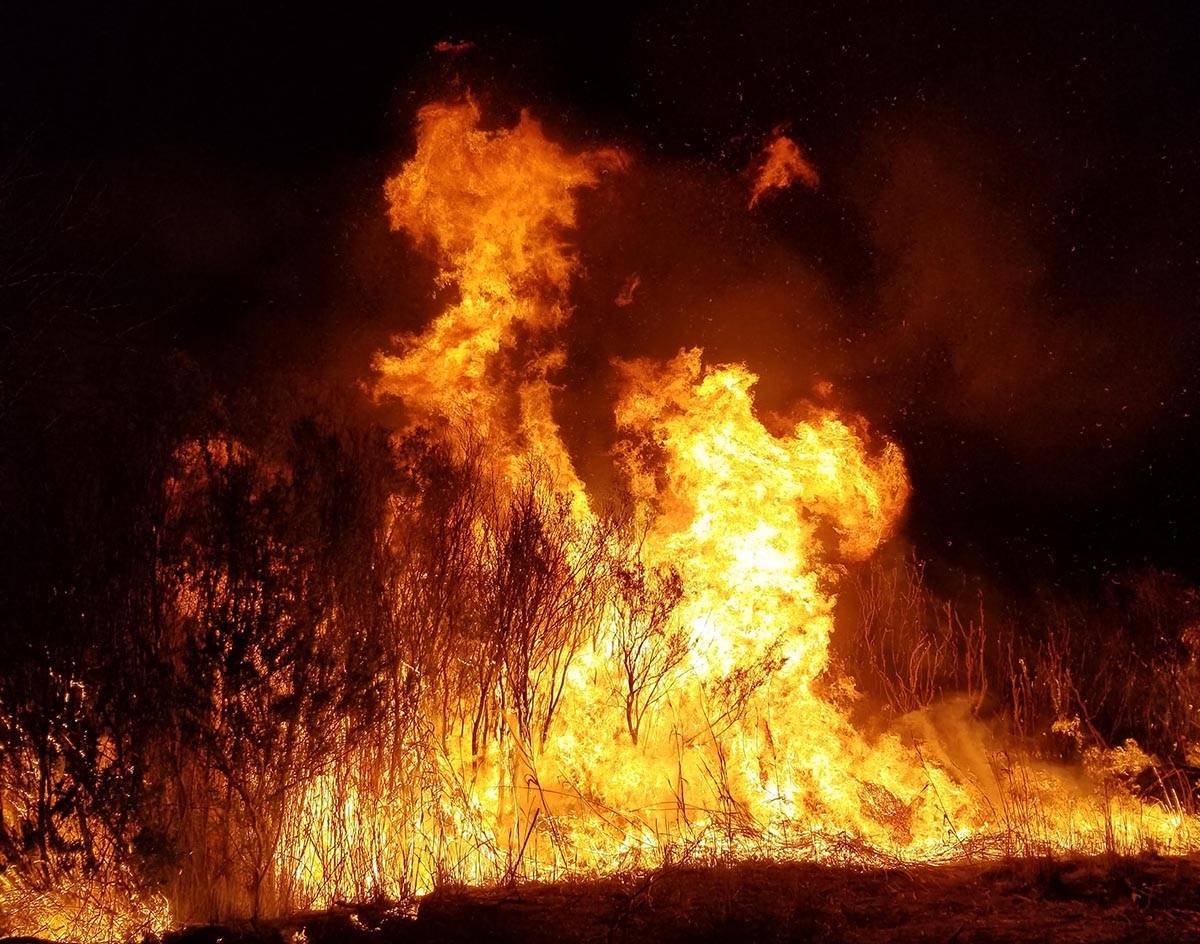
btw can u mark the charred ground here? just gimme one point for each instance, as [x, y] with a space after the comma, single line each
[1083, 902]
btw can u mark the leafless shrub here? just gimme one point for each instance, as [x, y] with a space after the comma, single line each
[649, 646]
[905, 646]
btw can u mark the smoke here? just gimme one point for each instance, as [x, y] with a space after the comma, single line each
[970, 323]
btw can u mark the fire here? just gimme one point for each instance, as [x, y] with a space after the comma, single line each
[492, 207]
[694, 703]
[696, 709]
[756, 522]
[622, 688]
[782, 164]
[738, 509]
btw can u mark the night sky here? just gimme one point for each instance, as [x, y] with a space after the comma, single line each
[1000, 269]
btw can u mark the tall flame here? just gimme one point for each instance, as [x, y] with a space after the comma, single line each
[720, 725]
[492, 208]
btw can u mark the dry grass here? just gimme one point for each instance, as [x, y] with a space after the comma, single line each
[1063, 675]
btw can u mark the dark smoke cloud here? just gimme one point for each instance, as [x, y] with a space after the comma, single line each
[957, 318]
[971, 326]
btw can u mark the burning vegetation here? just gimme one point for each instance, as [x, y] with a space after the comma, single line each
[349, 663]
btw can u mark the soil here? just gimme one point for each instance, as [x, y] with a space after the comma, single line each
[1066, 902]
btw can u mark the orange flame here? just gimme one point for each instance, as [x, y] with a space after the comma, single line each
[782, 163]
[492, 207]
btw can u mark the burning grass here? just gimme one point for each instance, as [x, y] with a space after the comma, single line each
[332, 662]
[346, 727]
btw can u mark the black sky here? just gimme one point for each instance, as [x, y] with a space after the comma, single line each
[1046, 155]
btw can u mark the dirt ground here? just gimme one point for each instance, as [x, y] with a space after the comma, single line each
[1072, 902]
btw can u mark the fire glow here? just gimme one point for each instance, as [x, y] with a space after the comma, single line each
[652, 684]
